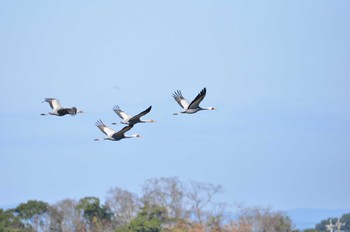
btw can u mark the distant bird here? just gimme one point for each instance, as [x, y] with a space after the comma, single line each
[58, 110]
[113, 135]
[193, 107]
[131, 120]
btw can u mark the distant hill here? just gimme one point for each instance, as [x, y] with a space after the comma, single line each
[308, 218]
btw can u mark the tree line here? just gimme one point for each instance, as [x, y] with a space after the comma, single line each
[166, 205]
[344, 219]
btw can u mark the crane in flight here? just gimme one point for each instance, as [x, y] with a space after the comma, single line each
[193, 107]
[132, 120]
[58, 110]
[112, 134]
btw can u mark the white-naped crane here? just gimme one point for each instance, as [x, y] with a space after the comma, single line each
[193, 107]
[58, 110]
[131, 120]
[112, 134]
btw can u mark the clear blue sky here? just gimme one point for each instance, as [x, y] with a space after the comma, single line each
[278, 72]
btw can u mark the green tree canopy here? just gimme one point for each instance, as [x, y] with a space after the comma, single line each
[96, 215]
[149, 219]
[9, 222]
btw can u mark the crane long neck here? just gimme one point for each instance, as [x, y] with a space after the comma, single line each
[146, 120]
[132, 136]
[207, 108]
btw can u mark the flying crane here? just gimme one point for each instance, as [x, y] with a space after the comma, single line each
[193, 107]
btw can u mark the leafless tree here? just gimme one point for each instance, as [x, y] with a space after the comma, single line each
[165, 192]
[123, 204]
[71, 219]
[264, 220]
[200, 196]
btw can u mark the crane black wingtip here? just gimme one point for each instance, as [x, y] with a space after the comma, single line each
[116, 107]
[177, 93]
[99, 122]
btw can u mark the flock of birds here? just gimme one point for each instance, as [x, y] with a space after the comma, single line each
[188, 108]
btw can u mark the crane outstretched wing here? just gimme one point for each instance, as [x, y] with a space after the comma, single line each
[138, 116]
[120, 134]
[105, 129]
[177, 95]
[121, 113]
[54, 103]
[195, 103]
